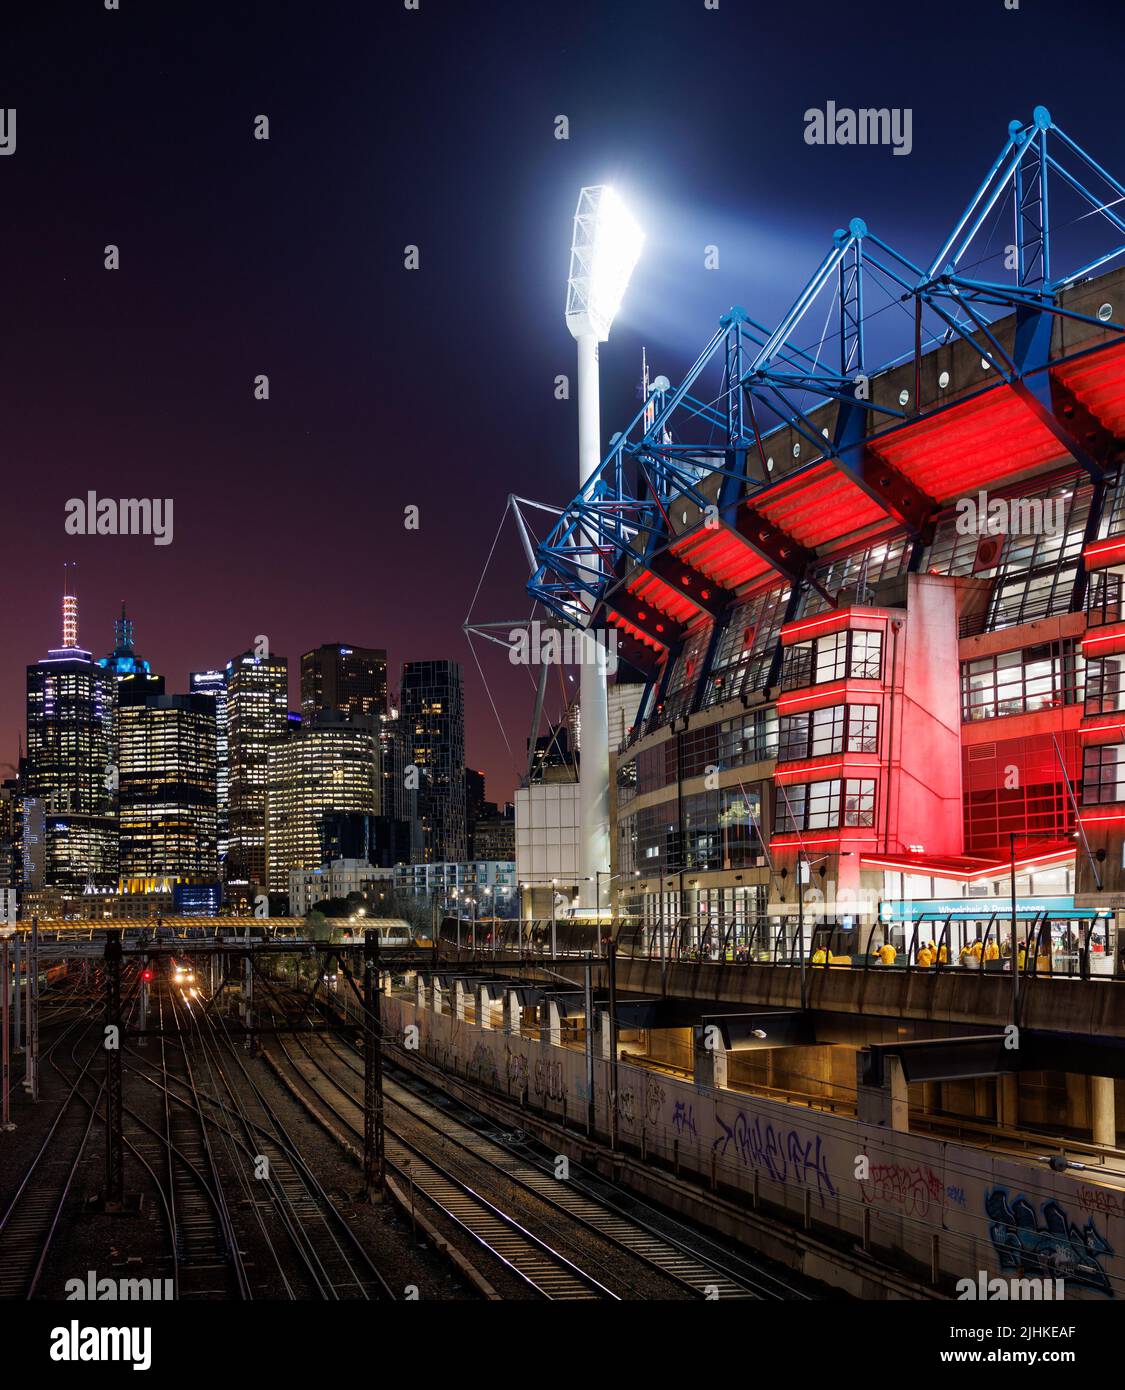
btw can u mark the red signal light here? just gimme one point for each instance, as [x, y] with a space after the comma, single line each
[146, 973]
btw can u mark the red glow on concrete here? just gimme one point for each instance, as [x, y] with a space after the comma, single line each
[1099, 383]
[651, 589]
[721, 556]
[623, 623]
[979, 441]
[818, 505]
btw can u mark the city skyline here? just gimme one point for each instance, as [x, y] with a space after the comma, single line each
[177, 684]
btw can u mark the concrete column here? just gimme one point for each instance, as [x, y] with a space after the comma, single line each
[387, 983]
[484, 1008]
[436, 996]
[1077, 1101]
[459, 996]
[710, 1065]
[606, 1035]
[419, 993]
[1008, 1100]
[512, 1013]
[1104, 1115]
[885, 1105]
[554, 1024]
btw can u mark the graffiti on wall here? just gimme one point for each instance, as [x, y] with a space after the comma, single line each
[1101, 1199]
[1050, 1245]
[786, 1155]
[654, 1100]
[517, 1072]
[482, 1062]
[549, 1081]
[627, 1106]
[683, 1119]
[911, 1188]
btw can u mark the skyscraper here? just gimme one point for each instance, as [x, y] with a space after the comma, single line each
[433, 715]
[123, 665]
[69, 724]
[258, 716]
[352, 680]
[167, 786]
[329, 765]
[213, 684]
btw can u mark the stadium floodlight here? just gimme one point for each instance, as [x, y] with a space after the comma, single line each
[603, 252]
[606, 246]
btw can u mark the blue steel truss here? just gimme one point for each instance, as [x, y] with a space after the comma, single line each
[709, 448]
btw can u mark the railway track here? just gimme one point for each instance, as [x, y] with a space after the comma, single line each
[206, 1248]
[266, 1162]
[689, 1258]
[545, 1270]
[31, 1220]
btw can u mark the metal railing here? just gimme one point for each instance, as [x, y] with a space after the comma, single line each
[1079, 945]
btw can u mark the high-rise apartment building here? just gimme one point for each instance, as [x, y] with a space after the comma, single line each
[258, 717]
[352, 680]
[167, 787]
[328, 766]
[433, 716]
[69, 772]
[213, 685]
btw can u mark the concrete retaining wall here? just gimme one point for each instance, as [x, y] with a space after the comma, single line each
[987, 1213]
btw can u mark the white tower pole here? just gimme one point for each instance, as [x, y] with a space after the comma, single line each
[593, 797]
[604, 250]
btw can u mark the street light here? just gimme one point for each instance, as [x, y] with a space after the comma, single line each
[604, 249]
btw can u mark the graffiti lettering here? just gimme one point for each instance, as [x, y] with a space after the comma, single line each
[912, 1189]
[785, 1155]
[654, 1101]
[517, 1072]
[549, 1082]
[484, 1064]
[683, 1118]
[1052, 1247]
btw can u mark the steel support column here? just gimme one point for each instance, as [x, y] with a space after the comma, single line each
[373, 1139]
[114, 1136]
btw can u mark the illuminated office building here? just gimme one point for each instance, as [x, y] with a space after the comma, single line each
[433, 716]
[213, 685]
[352, 680]
[328, 766]
[69, 726]
[258, 717]
[167, 788]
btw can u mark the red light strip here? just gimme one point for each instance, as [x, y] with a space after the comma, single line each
[812, 769]
[805, 769]
[788, 841]
[812, 693]
[1114, 726]
[1117, 635]
[821, 621]
[1098, 550]
[1103, 820]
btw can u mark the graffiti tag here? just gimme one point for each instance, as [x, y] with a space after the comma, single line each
[785, 1155]
[1050, 1246]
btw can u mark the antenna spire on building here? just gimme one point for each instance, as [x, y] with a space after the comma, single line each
[70, 609]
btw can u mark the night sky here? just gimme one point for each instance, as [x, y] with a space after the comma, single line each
[433, 388]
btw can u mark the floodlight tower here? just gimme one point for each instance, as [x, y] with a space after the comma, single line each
[604, 250]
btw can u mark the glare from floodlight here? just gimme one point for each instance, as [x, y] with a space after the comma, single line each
[606, 246]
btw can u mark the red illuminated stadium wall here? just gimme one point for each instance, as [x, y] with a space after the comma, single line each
[1016, 784]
